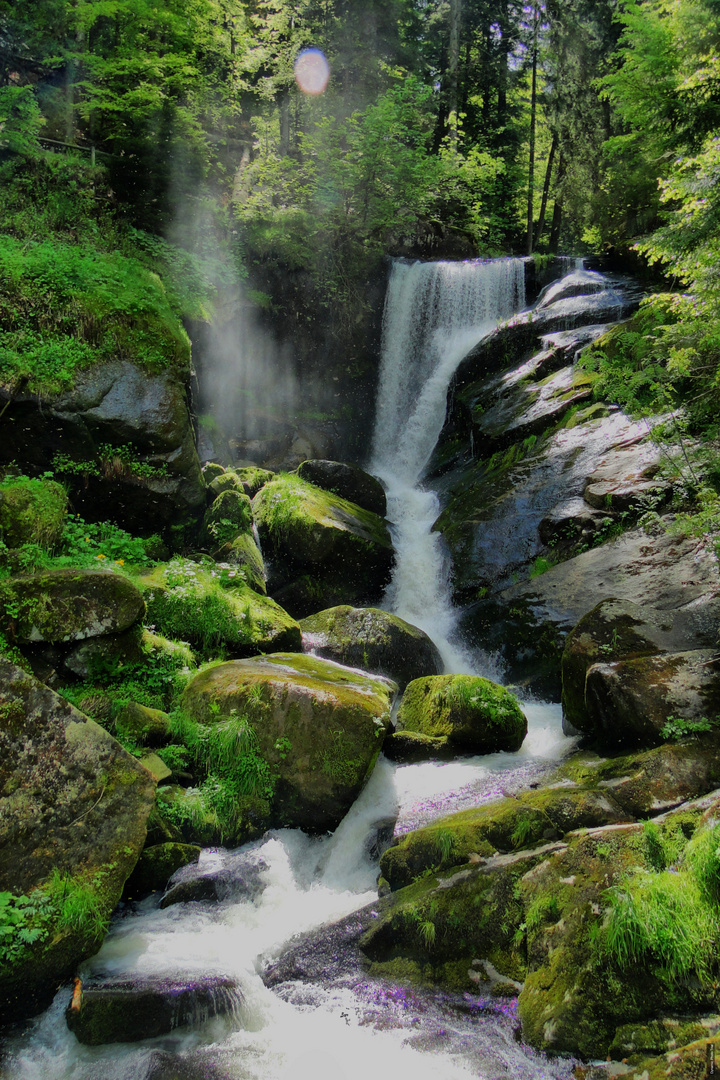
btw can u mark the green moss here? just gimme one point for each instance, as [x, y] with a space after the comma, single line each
[229, 515]
[32, 511]
[470, 710]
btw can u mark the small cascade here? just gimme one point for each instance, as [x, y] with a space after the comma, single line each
[434, 314]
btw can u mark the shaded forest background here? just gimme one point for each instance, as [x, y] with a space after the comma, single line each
[143, 139]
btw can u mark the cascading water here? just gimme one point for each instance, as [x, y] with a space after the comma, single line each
[434, 314]
[351, 1027]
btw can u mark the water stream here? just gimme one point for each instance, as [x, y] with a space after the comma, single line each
[351, 1027]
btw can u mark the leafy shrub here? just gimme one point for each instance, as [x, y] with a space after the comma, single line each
[21, 924]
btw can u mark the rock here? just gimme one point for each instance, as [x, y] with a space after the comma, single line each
[225, 481]
[69, 605]
[156, 866]
[211, 470]
[242, 557]
[409, 747]
[525, 821]
[31, 511]
[662, 1035]
[253, 478]
[373, 640]
[72, 801]
[324, 550]
[223, 876]
[134, 648]
[613, 630]
[229, 515]
[576, 283]
[116, 404]
[630, 701]
[475, 714]
[347, 481]
[156, 767]
[626, 479]
[130, 1009]
[149, 727]
[202, 604]
[319, 726]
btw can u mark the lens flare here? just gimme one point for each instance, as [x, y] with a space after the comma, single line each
[312, 71]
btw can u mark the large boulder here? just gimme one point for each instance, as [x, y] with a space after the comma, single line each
[127, 1009]
[213, 609]
[31, 511]
[323, 549]
[229, 515]
[348, 481]
[69, 605]
[131, 429]
[373, 640]
[633, 702]
[474, 714]
[73, 813]
[319, 727]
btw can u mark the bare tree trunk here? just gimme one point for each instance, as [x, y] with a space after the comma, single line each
[284, 106]
[558, 211]
[453, 68]
[533, 115]
[546, 189]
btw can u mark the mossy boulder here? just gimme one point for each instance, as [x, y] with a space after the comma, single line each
[510, 824]
[31, 511]
[324, 550]
[229, 515]
[145, 1007]
[58, 606]
[143, 725]
[242, 557]
[319, 727]
[74, 803]
[224, 481]
[156, 866]
[253, 478]
[373, 640]
[135, 649]
[613, 630]
[348, 481]
[203, 604]
[629, 702]
[410, 747]
[473, 713]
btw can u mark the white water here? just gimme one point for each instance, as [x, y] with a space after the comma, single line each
[434, 314]
[350, 1028]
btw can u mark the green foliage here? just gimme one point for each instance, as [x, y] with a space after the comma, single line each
[20, 119]
[524, 830]
[540, 566]
[446, 841]
[175, 756]
[66, 306]
[542, 910]
[677, 727]
[79, 905]
[702, 860]
[21, 924]
[662, 920]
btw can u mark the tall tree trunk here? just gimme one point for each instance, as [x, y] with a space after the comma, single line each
[503, 69]
[546, 189]
[533, 114]
[284, 105]
[453, 68]
[558, 211]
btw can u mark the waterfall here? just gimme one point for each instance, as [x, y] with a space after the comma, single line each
[434, 314]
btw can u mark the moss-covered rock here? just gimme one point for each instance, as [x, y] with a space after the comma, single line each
[474, 713]
[344, 551]
[662, 1035]
[410, 747]
[510, 824]
[613, 630]
[156, 866]
[73, 804]
[347, 481]
[629, 702]
[148, 727]
[242, 557]
[373, 640]
[253, 478]
[69, 605]
[31, 511]
[227, 480]
[229, 515]
[202, 604]
[135, 649]
[319, 727]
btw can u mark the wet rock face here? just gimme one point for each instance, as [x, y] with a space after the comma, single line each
[373, 640]
[474, 714]
[322, 549]
[222, 876]
[119, 405]
[70, 605]
[72, 800]
[319, 726]
[127, 1010]
[347, 481]
[156, 866]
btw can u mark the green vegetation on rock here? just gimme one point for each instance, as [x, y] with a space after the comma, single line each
[474, 713]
